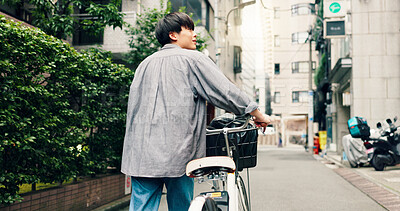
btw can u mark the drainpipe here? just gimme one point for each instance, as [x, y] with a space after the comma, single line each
[216, 22]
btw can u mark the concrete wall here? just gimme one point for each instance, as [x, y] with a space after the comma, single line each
[376, 59]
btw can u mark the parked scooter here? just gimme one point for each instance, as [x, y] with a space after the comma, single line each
[356, 151]
[386, 148]
[386, 151]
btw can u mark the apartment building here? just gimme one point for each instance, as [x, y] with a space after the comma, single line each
[289, 79]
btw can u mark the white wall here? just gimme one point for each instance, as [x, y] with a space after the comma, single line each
[376, 59]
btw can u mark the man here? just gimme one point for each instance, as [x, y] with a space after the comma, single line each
[166, 119]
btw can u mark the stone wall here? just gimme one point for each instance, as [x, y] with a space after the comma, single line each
[85, 195]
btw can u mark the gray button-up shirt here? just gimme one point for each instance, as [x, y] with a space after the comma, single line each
[166, 119]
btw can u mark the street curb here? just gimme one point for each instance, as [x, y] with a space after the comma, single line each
[334, 160]
[115, 205]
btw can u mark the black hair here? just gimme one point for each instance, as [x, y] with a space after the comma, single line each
[172, 22]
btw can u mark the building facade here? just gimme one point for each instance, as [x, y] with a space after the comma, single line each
[289, 78]
[365, 67]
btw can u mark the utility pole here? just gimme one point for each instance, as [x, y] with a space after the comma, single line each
[310, 131]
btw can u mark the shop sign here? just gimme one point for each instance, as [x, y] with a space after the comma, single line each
[334, 29]
[334, 8]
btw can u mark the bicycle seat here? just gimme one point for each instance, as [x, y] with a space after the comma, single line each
[207, 165]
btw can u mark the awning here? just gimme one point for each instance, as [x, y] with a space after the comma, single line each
[341, 72]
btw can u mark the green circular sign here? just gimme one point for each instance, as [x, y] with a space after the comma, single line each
[334, 7]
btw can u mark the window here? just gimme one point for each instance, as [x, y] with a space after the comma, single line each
[237, 59]
[84, 37]
[277, 97]
[209, 17]
[20, 11]
[299, 96]
[303, 9]
[277, 69]
[257, 95]
[299, 37]
[302, 67]
[276, 41]
[237, 13]
[200, 9]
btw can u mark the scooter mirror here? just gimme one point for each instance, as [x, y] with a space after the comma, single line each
[379, 125]
[389, 121]
[395, 119]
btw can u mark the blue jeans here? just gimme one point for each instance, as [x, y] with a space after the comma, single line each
[146, 193]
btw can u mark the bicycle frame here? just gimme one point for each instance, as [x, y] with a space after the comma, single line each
[231, 178]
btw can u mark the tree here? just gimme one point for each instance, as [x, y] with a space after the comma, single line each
[143, 41]
[57, 17]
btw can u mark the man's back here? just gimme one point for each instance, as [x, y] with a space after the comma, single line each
[162, 115]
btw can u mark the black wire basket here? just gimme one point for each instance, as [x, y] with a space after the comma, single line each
[244, 145]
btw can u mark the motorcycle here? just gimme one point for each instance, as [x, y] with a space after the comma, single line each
[386, 148]
[386, 151]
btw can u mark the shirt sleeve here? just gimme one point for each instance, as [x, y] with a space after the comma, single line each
[209, 82]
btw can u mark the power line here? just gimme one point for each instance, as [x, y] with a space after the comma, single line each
[295, 54]
[262, 2]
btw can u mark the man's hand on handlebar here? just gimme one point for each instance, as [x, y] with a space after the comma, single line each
[260, 119]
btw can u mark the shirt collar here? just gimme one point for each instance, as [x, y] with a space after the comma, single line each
[170, 46]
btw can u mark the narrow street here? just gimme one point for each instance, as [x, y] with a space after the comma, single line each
[291, 179]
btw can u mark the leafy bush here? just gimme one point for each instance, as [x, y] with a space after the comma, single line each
[62, 113]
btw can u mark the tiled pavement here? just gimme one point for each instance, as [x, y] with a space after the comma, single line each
[383, 187]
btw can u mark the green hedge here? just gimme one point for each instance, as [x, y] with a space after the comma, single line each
[62, 113]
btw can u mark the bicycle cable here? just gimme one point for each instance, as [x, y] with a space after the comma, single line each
[248, 188]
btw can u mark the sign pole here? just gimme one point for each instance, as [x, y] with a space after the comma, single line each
[310, 131]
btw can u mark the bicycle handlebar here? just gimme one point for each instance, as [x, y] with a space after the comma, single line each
[229, 130]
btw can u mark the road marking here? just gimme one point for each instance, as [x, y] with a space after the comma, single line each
[331, 166]
[392, 179]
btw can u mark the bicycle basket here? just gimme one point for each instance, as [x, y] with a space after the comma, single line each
[245, 142]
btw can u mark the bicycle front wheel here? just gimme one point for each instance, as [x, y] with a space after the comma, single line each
[242, 195]
[202, 203]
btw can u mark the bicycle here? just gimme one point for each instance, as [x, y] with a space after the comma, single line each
[222, 167]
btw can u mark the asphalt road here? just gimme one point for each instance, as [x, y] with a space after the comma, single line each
[290, 179]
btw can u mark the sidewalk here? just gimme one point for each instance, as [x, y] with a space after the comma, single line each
[115, 205]
[381, 186]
